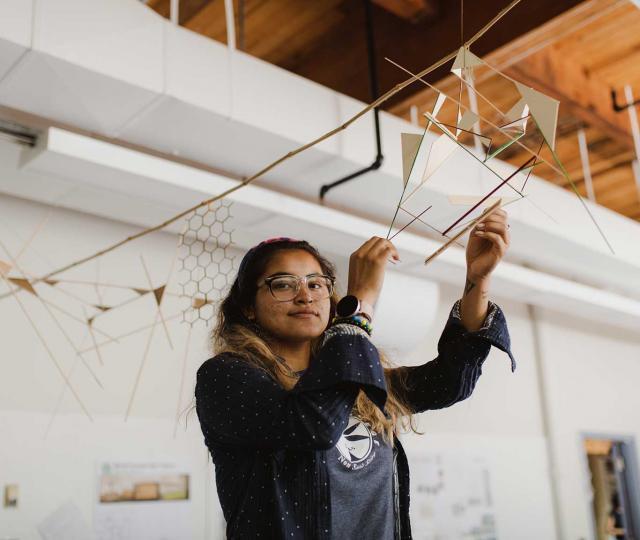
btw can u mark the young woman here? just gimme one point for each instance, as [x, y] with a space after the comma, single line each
[300, 410]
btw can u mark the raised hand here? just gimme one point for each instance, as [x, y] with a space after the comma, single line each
[488, 242]
[367, 266]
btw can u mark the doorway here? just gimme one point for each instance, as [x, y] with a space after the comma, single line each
[614, 480]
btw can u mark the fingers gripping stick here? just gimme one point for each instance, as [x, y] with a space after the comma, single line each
[490, 210]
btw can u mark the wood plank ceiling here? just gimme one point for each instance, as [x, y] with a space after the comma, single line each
[573, 51]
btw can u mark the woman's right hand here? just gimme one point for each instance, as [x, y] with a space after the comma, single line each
[367, 266]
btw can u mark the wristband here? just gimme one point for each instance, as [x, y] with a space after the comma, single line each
[357, 320]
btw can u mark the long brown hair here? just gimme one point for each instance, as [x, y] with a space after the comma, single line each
[235, 333]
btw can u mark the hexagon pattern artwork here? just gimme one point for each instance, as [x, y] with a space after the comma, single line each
[206, 263]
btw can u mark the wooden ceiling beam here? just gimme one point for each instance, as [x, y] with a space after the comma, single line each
[564, 79]
[412, 10]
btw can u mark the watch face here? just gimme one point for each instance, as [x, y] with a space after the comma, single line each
[347, 306]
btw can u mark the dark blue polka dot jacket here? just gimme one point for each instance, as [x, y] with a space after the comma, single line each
[268, 444]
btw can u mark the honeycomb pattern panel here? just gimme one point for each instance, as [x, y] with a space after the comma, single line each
[206, 263]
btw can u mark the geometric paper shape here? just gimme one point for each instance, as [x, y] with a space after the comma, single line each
[198, 302]
[544, 111]
[441, 150]
[517, 116]
[410, 144]
[158, 293]
[469, 118]
[5, 268]
[465, 59]
[24, 284]
[491, 153]
[440, 101]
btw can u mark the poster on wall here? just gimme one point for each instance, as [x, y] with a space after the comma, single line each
[142, 501]
[11, 496]
[451, 497]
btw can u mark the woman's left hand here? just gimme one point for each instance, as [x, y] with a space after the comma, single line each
[488, 242]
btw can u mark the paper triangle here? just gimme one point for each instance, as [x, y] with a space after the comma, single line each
[5, 268]
[441, 150]
[141, 291]
[24, 284]
[410, 144]
[544, 111]
[438, 104]
[197, 303]
[465, 59]
[519, 111]
[102, 308]
[469, 118]
[158, 293]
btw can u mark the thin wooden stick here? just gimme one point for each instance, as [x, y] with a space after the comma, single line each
[49, 351]
[484, 216]
[63, 390]
[164, 323]
[33, 235]
[132, 332]
[94, 283]
[428, 225]
[93, 337]
[148, 346]
[182, 378]
[14, 261]
[77, 319]
[141, 368]
[414, 219]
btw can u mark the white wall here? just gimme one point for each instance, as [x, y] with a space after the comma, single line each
[501, 424]
[62, 466]
[591, 377]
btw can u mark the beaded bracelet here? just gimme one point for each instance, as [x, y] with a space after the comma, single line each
[358, 320]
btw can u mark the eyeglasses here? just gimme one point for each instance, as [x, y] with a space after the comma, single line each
[285, 287]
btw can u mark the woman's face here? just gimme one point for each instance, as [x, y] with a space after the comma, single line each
[301, 319]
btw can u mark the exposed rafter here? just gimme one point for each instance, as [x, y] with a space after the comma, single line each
[584, 97]
[412, 10]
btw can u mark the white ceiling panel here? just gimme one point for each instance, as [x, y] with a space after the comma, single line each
[56, 89]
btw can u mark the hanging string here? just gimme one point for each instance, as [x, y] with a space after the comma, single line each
[461, 23]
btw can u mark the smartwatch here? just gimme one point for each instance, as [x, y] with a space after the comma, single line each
[350, 305]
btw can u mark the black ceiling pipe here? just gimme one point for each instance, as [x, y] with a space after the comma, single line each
[619, 108]
[373, 89]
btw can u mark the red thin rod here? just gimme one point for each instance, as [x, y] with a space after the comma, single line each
[489, 195]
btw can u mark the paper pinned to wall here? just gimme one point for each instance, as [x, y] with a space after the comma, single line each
[143, 501]
[452, 498]
[65, 523]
